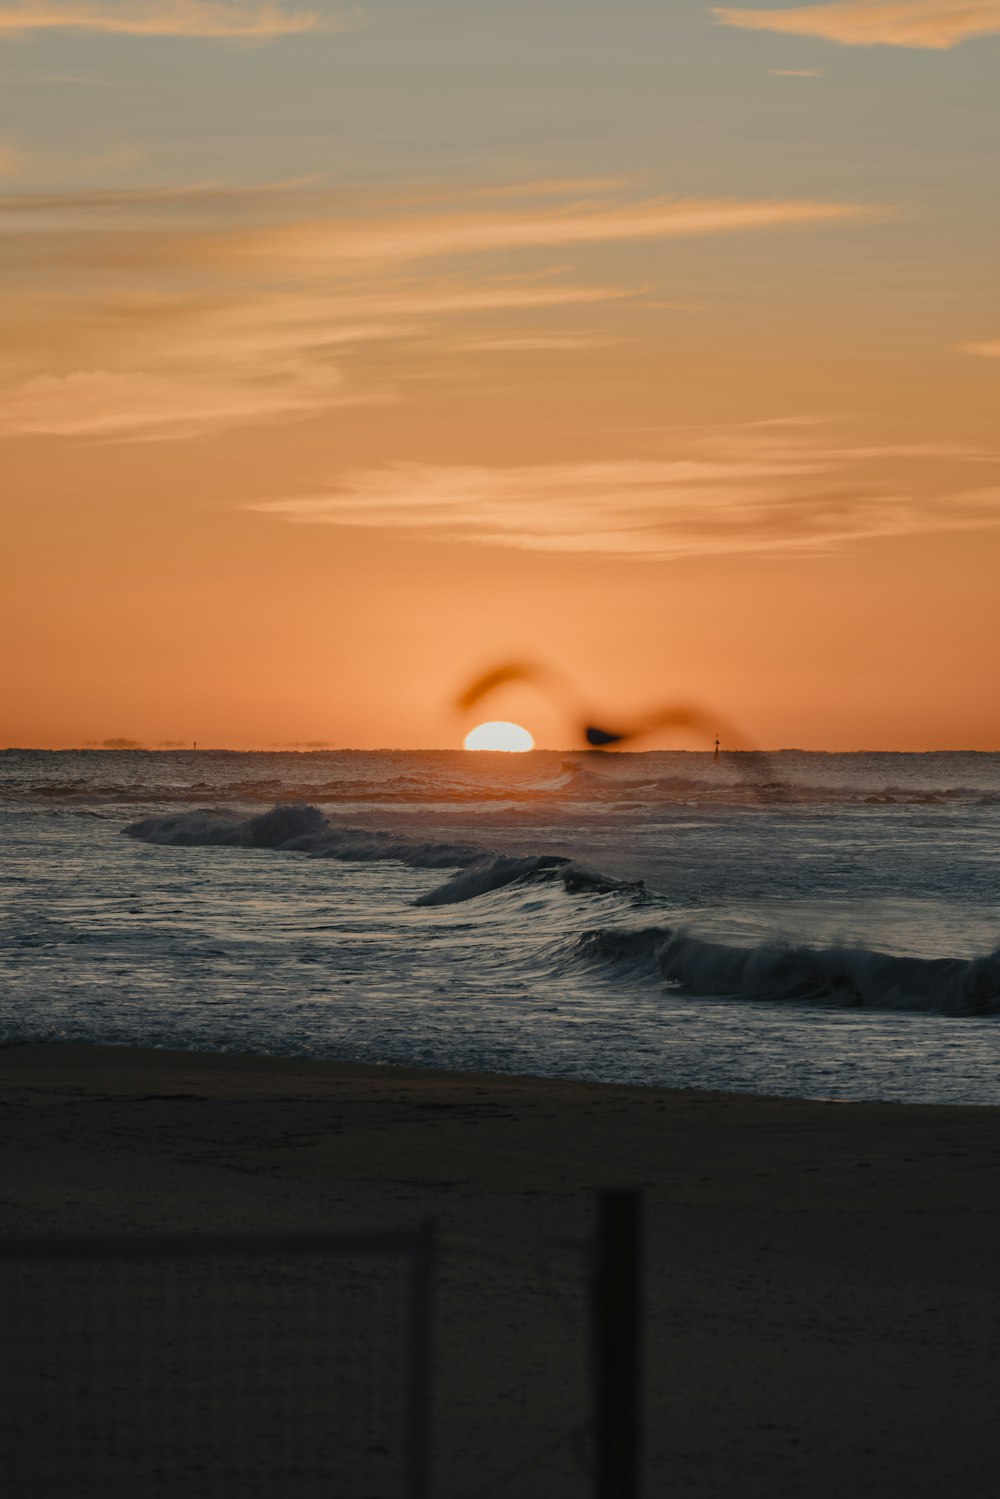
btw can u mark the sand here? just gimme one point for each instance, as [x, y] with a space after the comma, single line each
[820, 1279]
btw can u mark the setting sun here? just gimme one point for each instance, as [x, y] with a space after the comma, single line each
[499, 735]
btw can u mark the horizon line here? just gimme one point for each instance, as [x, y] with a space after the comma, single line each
[328, 749]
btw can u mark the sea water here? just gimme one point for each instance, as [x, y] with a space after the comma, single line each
[807, 924]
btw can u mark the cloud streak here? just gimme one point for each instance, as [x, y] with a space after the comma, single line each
[288, 231]
[166, 367]
[787, 498]
[185, 310]
[423, 236]
[212, 19]
[934, 25]
[141, 404]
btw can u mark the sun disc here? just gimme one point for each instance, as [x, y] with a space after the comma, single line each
[499, 735]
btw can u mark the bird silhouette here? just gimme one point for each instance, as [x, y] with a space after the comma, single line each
[596, 735]
[595, 732]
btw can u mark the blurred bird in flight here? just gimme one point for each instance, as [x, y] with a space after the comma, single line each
[596, 735]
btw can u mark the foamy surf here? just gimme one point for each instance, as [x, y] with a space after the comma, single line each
[824, 931]
[773, 971]
[792, 972]
[299, 828]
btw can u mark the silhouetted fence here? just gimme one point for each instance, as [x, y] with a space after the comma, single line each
[216, 1365]
[594, 1292]
[617, 1303]
[299, 1365]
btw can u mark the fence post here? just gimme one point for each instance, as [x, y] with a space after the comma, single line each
[418, 1413]
[617, 1374]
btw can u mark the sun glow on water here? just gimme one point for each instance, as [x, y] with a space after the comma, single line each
[499, 735]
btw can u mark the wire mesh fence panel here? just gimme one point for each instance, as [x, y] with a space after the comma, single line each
[513, 1376]
[203, 1373]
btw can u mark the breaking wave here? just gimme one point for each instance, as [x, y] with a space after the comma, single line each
[299, 828]
[848, 976]
[296, 827]
[839, 975]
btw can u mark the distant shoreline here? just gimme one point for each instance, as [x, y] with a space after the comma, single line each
[457, 750]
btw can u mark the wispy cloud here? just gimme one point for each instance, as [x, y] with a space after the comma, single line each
[517, 343]
[988, 349]
[184, 310]
[931, 24]
[420, 236]
[234, 19]
[163, 404]
[796, 72]
[191, 203]
[289, 230]
[164, 367]
[752, 497]
[37, 166]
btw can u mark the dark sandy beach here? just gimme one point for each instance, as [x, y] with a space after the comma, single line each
[820, 1298]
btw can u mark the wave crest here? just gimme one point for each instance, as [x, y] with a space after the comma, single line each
[849, 976]
[771, 971]
[297, 827]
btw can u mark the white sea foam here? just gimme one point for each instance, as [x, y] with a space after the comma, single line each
[849, 976]
[812, 924]
[296, 827]
[784, 971]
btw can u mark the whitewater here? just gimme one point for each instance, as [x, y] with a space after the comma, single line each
[816, 925]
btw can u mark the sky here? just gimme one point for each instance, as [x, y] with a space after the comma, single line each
[349, 351]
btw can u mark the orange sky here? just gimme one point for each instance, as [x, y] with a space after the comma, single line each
[661, 346]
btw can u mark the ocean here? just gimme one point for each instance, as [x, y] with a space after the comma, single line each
[816, 925]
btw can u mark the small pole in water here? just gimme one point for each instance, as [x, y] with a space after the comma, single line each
[716, 755]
